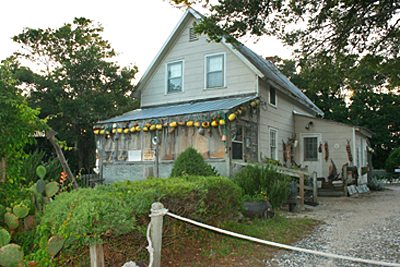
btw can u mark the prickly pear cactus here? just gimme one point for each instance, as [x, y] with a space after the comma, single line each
[41, 171]
[21, 211]
[55, 244]
[5, 237]
[40, 186]
[11, 220]
[11, 255]
[52, 188]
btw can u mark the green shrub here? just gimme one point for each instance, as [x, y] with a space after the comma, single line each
[35, 159]
[190, 162]
[90, 215]
[393, 161]
[376, 185]
[254, 179]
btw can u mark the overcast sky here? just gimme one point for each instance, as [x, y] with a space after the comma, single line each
[136, 29]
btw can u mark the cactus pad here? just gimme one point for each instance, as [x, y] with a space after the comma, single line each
[11, 255]
[5, 237]
[11, 220]
[41, 171]
[55, 244]
[52, 188]
[21, 211]
[40, 186]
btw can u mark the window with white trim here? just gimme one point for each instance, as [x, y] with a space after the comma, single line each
[273, 144]
[174, 77]
[215, 71]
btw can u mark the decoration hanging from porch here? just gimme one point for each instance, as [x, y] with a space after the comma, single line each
[232, 117]
[348, 149]
[284, 151]
[326, 151]
[320, 148]
[189, 124]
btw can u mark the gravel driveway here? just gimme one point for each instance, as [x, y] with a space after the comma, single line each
[365, 226]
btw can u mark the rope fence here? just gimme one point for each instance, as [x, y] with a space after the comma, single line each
[161, 211]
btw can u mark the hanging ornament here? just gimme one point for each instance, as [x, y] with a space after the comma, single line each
[126, 131]
[214, 123]
[145, 129]
[153, 127]
[173, 124]
[222, 122]
[132, 129]
[189, 124]
[223, 137]
[326, 151]
[181, 123]
[197, 124]
[206, 124]
[147, 124]
[159, 127]
[166, 124]
[232, 117]
[138, 128]
[201, 131]
[119, 130]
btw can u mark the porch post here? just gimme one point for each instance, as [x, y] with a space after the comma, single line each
[315, 187]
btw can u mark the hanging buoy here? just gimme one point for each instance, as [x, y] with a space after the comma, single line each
[181, 123]
[152, 127]
[189, 124]
[159, 127]
[119, 130]
[206, 124]
[173, 124]
[114, 131]
[197, 124]
[214, 124]
[126, 130]
[147, 124]
[223, 137]
[96, 131]
[145, 129]
[133, 129]
[222, 122]
[137, 128]
[232, 117]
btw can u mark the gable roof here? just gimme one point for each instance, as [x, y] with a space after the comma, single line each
[265, 69]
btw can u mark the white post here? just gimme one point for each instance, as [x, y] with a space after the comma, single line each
[157, 215]
[97, 255]
[315, 187]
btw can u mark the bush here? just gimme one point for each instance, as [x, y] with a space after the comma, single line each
[393, 161]
[190, 162]
[254, 179]
[376, 185]
[87, 215]
[29, 165]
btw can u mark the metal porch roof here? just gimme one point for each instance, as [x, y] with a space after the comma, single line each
[178, 110]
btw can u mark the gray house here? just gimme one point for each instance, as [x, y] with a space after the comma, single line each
[227, 102]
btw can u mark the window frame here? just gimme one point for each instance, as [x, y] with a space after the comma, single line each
[206, 57]
[167, 78]
[273, 89]
[275, 156]
[305, 157]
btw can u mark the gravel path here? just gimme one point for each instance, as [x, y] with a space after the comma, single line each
[365, 226]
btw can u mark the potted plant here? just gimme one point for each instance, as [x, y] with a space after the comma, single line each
[257, 205]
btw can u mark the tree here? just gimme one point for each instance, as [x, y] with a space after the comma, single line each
[17, 123]
[344, 26]
[78, 82]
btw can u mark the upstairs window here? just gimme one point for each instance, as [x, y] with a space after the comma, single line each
[215, 71]
[174, 77]
[272, 96]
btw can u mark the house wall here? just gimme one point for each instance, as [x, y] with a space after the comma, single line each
[115, 172]
[279, 117]
[239, 78]
[336, 135]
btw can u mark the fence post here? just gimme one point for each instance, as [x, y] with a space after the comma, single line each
[315, 187]
[301, 192]
[97, 255]
[157, 215]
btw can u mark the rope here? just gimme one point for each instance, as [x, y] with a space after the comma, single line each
[269, 243]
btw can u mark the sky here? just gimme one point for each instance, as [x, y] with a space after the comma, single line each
[136, 29]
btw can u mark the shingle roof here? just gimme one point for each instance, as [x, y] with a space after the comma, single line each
[179, 110]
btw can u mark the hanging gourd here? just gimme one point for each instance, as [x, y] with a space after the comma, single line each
[173, 124]
[159, 127]
[197, 124]
[189, 124]
[232, 117]
[214, 123]
[206, 124]
[153, 127]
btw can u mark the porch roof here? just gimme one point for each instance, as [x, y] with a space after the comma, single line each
[178, 110]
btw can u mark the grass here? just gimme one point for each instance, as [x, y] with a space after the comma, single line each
[207, 248]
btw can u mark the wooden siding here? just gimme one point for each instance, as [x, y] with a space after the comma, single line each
[239, 78]
[279, 117]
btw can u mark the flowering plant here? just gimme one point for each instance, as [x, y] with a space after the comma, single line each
[256, 197]
[63, 178]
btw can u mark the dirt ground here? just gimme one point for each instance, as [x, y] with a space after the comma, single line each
[365, 226]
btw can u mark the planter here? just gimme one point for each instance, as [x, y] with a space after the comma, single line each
[260, 209]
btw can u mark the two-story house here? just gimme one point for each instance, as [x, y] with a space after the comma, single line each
[227, 102]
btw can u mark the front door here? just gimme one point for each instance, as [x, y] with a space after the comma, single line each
[309, 155]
